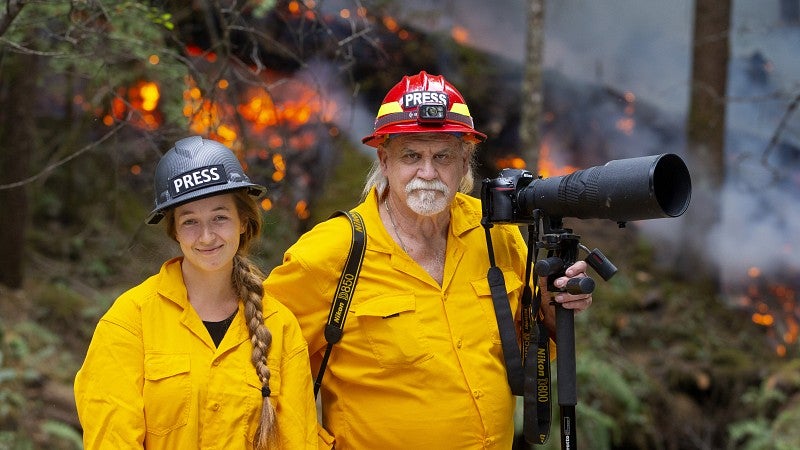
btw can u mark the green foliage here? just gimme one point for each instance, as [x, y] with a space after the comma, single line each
[596, 427]
[29, 354]
[612, 394]
[103, 46]
[776, 404]
[262, 7]
[58, 303]
[761, 433]
[16, 441]
[344, 187]
[151, 13]
[61, 436]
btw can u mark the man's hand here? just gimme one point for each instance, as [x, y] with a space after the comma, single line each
[575, 302]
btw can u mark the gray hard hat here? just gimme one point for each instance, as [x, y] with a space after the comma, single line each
[195, 168]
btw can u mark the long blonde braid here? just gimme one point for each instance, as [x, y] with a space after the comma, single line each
[247, 279]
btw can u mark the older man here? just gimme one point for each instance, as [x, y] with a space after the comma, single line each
[420, 363]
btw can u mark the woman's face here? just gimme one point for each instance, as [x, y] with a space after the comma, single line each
[208, 232]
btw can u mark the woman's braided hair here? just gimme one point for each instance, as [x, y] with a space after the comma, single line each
[247, 282]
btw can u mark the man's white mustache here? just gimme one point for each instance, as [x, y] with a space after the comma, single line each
[428, 185]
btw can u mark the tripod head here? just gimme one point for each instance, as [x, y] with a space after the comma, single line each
[562, 247]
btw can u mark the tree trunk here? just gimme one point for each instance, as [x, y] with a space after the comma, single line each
[16, 122]
[706, 132]
[532, 97]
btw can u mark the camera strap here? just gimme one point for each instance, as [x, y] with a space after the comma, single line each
[537, 402]
[528, 370]
[538, 397]
[344, 290]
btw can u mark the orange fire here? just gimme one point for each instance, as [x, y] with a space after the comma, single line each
[460, 34]
[391, 24]
[628, 123]
[548, 167]
[209, 118]
[511, 162]
[273, 118]
[297, 106]
[301, 209]
[137, 104]
[774, 307]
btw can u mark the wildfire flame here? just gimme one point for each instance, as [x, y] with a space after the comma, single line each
[774, 307]
[628, 123]
[460, 34]
[274, 117]
[141, 101]
[261, 110]
[548, 166]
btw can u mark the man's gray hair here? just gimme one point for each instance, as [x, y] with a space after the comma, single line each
[378, 180]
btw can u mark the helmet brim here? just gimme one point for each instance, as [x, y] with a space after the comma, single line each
[377, 138]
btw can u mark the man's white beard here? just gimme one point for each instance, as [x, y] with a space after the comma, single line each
[427, 198]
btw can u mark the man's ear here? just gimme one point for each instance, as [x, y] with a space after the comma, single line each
[383, 155]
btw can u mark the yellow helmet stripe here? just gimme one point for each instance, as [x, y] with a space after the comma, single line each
[460, 108]
[388, 108]
[394, 107]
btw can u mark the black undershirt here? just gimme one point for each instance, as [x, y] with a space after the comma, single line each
[217, 329]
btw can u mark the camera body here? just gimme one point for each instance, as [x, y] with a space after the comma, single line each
[500, 197]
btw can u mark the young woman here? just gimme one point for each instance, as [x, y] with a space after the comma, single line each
[196, 356]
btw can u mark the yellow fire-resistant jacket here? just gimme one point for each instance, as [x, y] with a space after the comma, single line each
[419, 366]
[153, 378]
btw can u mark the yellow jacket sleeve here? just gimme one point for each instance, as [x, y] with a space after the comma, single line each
[296, 412]
[108, 389]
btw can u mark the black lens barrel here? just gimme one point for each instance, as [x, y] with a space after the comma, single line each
[622, 190]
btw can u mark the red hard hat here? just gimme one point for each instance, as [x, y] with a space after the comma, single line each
[423, 103]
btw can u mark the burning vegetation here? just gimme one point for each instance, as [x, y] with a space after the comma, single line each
[774, 307]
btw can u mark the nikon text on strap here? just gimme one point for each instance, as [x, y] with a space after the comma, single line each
[528, 371]
[344, 290]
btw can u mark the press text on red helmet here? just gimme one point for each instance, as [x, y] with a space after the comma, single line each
[414, 99]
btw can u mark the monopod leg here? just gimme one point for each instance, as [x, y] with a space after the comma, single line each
[567, 386]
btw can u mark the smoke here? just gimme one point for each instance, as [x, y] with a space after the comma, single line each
[757, 231]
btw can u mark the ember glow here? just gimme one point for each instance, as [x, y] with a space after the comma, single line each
[627, 124]
[137, 104]
[774, 307]
[548, 165]
[460, 34]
